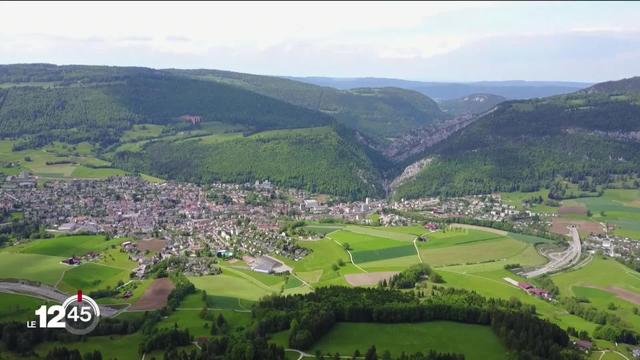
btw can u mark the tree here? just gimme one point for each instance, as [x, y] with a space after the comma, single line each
[346, 246]
[371, 353]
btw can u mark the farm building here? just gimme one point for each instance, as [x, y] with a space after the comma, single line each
[269, 265]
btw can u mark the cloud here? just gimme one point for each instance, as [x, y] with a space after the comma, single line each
[427, 41]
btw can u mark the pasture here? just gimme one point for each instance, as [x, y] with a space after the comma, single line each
[476, 342]
[14, 307]
[92, 276]
[57, 160]
[230, 286]
[111, 347]
[34, 267]
[66, 246]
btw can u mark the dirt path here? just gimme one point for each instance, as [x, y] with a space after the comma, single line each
[415, 245]
[350, 256]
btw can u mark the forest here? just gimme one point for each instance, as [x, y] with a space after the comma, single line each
[527, 145]
[308, 317]
[317, 160]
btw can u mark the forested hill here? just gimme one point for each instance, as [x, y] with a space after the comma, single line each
[630, 85]
[76, 103]
[587, 137]
[321, 160]
[378, 112]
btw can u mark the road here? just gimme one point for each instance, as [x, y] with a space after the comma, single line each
[47, 293]
[563, 260]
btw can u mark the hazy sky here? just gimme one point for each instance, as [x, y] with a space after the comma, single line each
[586, 41]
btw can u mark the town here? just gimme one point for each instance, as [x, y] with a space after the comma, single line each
[224, 220]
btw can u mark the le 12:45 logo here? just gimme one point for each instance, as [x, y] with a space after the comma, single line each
[79, 315]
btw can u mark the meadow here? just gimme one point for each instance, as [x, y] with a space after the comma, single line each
[92, 276]
[474, 341]
[56, 160]
[14, 307]
[66, 246]
[42, 268]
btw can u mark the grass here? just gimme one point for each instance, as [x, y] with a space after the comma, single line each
[95, 173]
[65, 246]
[78, 157]
[592, 282]
[472, 251]
[111, 347]
[42, 268]
[315, 268]
[381, 232]
[140, 132]
[230, 286]
[90, 276]
[474, 341]
[14, 307]
[516, 199]
[190, 319]
[383, 254]
[620, 206]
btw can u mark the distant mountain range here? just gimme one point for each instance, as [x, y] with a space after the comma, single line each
[440, 91]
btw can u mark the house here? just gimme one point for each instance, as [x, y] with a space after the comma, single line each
[583, 345]
[74, 260]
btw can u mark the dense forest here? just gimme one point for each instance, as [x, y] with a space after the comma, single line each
[378, 112]
[526, 145]
[315, 159]
[99, 108]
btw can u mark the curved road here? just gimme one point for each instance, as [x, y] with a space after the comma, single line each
[560, 261]
[47, 293]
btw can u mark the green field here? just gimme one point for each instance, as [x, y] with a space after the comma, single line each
[42, 268]
[65, 246]
[78, 161]
[90, 276]
[621, 207]
[230, 286]
[112, 347]
[474, 341]
[190, 319]
[473, 251]
[14, 307]
[140, 132]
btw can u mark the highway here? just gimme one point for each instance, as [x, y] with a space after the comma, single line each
[563, 260]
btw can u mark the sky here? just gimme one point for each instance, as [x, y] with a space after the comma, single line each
[570, 41]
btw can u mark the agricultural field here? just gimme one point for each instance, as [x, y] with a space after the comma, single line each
[14, 307]
[42, 268]
[66, 246]
[91, 276]
[476, 342]
[57, 160]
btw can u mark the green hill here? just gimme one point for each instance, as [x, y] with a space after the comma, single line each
[316, 159]
[378, 112]
[77, 103]
[587, 137]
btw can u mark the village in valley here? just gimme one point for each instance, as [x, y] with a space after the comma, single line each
[227, 221]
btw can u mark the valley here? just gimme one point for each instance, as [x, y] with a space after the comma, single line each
[207, 206]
